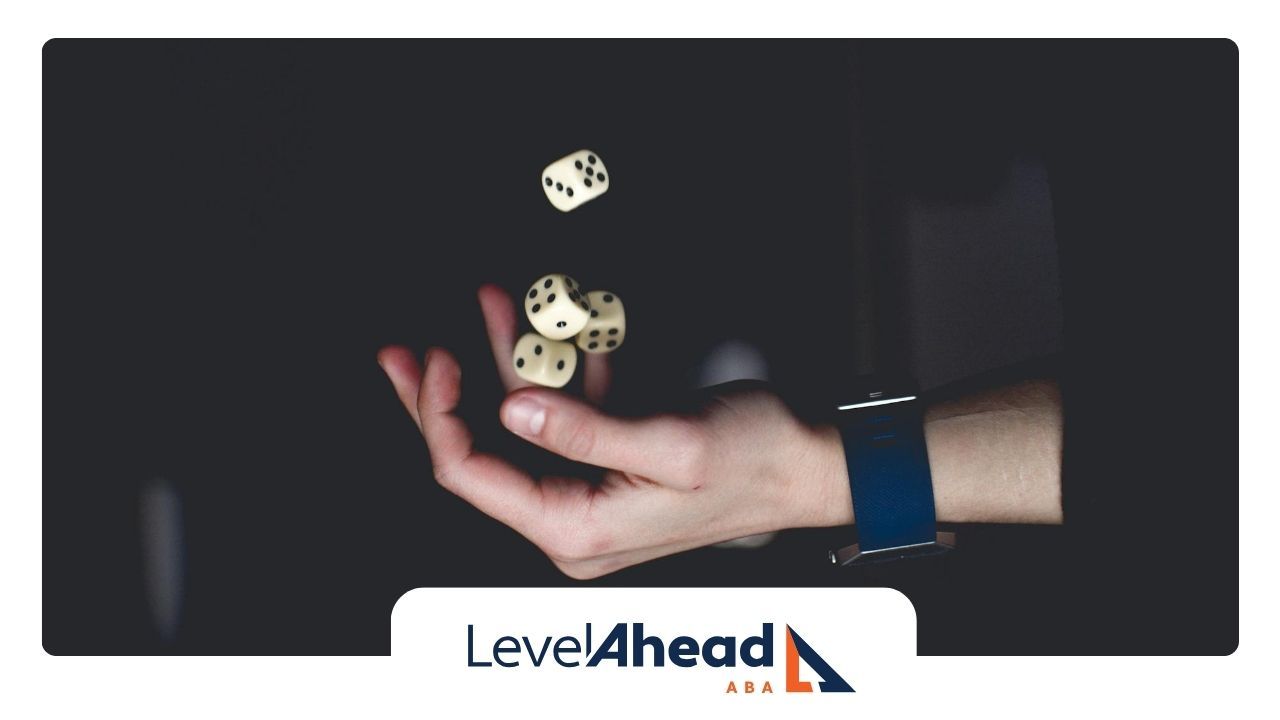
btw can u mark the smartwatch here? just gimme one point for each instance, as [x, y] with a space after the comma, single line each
[881, 424]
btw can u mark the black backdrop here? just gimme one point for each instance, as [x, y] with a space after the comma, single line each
[232, 229]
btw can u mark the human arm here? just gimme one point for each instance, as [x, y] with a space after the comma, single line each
[740, 464]
[995, 457]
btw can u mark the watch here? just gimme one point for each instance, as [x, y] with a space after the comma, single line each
[881, 424]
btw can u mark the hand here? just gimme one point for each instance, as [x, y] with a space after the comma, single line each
[740, 465]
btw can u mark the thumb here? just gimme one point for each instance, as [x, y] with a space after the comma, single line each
[661, 447]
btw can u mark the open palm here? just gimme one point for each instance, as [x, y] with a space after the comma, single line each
[673, 481]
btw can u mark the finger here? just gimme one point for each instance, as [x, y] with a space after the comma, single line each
[491, 484]
[664, 448]
[402, 368]
[500, 323]
[597, 375]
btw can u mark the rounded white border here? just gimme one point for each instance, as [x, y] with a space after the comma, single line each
[345, 687]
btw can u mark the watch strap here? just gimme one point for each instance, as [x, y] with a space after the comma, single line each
[889, 480]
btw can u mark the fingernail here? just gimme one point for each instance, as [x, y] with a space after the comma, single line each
[525, 416]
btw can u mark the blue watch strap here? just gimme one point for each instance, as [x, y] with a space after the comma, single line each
[889, 479]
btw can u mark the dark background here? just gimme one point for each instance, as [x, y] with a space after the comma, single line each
[232, 229]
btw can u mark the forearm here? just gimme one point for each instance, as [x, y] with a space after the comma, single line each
[995, 457]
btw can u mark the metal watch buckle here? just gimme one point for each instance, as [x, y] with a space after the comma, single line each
[853, 555]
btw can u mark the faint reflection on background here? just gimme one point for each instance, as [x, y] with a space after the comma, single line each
[163, 555]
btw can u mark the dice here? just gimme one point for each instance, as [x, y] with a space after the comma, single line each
[544, 362]
[606, 327]
[557, 307]
[575, 179]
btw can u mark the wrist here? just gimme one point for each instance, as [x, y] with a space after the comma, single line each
[822, 483]
[993, 457]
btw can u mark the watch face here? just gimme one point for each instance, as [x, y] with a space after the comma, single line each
[875, 390]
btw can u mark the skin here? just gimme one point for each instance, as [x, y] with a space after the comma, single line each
[742, 464]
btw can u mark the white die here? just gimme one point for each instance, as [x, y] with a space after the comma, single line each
[544, 362]
[556, 306]
[575, 179]
[606, 327]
